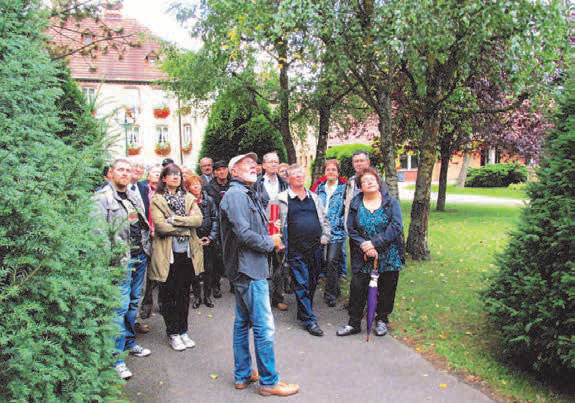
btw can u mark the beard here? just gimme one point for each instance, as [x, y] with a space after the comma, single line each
[248, 177]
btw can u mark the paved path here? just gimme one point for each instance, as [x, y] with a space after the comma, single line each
[407, 194]
[328, 369]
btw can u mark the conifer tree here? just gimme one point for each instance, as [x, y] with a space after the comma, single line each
[57, 293]
[531, 300]
[236, 125]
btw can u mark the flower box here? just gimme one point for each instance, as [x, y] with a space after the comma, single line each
[187, 148]
[134, 149]
[161, 112]
[163, 149]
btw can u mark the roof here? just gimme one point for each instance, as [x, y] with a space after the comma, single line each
[126, 63]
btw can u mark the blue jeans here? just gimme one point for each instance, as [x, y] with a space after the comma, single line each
[253, 307]
[130, 295]
[305, 270]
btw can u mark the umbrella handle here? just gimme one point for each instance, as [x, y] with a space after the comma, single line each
[374, 261]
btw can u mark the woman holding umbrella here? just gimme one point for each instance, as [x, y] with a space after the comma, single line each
[375, 230]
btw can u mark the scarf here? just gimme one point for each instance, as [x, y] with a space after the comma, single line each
[177, 203]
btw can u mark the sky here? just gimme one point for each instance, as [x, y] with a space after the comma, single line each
[153, 14]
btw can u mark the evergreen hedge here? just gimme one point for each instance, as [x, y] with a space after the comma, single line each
[57, 293]
[531, 299]
[236, 125]
[496, 175]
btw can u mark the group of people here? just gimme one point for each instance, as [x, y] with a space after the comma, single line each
[266, 232]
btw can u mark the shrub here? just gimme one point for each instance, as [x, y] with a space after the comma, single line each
[57, 296]
[518, 186]
[531, 299]
[343, 154]
[237, 125]
[496, 175]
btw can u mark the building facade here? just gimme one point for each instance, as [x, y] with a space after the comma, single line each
[144, 121]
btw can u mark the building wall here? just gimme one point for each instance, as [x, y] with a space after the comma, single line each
[112, 99]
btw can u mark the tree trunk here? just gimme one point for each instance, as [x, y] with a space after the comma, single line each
[284, 102]
[464, 167]
[387, 147]
[319, 165]
[442, 192]
[417, 245]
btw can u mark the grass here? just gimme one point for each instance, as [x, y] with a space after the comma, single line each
[491, 192]
[438, 310]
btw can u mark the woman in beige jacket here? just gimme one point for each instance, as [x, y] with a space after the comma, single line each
[177, 254]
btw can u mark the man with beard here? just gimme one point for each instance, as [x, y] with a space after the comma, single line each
[246, 245]
[121, 207]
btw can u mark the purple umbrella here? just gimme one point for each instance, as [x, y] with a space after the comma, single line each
[371, 298]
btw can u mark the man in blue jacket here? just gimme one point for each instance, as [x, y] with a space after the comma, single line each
[245, 246]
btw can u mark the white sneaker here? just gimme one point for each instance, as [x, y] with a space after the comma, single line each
[176, 342]
[189, 343]
[123, 371]
[140, 351]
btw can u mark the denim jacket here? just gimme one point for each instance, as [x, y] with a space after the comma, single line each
[335, 210]
[244, 234]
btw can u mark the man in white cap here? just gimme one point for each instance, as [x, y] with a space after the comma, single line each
[246, 246]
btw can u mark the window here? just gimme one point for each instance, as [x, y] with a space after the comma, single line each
[162, 134]
[187, 136]
[87, 38]
[89, 95]
[408, 161]
[134, 135]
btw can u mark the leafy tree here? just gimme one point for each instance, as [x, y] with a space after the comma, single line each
[531, 299]
[57, 296]
[441, 45]
[236, 125]
[237, 35]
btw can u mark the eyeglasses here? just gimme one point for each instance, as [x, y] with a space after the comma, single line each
[175, 174]
[368, 179]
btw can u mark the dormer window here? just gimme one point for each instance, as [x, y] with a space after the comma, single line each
[152, 57]
[87, 37]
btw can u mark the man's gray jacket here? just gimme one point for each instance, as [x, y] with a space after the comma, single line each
[110, 207]
[243, 228]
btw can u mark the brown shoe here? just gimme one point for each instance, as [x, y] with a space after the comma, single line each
[280, 389]
[141, 328]
[254, 378]
[281, 306]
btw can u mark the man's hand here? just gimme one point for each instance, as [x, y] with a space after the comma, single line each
[366, 246]
[205, 241]
[278, 244]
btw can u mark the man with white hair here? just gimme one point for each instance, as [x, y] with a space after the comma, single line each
[245, 246]
[207, 168]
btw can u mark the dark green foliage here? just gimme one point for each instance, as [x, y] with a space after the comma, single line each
[496, 175]
[343, 154]
[237, 124]
[57, 295]
[531, 300]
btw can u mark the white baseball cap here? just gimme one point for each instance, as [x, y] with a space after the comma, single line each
[238, 158]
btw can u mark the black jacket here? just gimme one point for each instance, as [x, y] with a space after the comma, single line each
[393, 234]
[216, 191]
[210, 223]
[261, 191]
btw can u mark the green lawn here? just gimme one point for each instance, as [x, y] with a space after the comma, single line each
[438, 311]
[491, 192]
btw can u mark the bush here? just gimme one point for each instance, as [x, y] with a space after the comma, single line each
[496, 175]
[57, 296]
[237, 125]
[518, 186]
[531, 300]
[343, 154]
